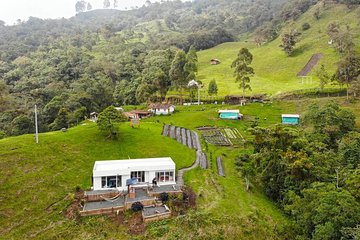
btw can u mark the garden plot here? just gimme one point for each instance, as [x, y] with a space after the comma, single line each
[234, 136]
[214, 136]
[222, 137]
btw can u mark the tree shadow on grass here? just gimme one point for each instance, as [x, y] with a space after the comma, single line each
[300, 50]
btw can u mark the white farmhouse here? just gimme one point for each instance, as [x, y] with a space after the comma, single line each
[115, 174]
[162, 109]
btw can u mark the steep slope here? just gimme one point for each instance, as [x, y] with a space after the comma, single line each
[274, 71]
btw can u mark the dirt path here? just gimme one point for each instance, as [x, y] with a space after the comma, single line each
[180, 179]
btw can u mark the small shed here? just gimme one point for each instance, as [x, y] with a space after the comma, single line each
[108, 175]
[215, 61]
[162, 109]
[291, 119]
[230, 114]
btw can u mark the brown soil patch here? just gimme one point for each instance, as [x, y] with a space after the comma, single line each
[135, 224]
[73, 211]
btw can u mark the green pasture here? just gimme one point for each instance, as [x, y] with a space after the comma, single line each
[275, 72]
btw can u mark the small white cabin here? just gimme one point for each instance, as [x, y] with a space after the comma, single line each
[162, 109]
[115, 174]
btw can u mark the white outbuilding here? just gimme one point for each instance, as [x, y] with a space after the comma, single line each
[117, 174]
[162, 109]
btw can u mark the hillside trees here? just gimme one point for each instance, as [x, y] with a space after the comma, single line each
[177, 72]
[289, 41]
[242, 70]
[341, 38]
[348, 71]
[330, 122]
[80, 6]
[267, 32]
[355, 87]
[311, 175]
[22, 124]
[62, 120]
[106, 3]
[156, 75]
[5, 97]
[191, 64]
[324, 211]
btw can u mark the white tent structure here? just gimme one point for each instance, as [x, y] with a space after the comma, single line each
[116, 174]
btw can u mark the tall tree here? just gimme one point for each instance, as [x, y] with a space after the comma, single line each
[108, 120]
[348, 71]
[323, 76]
[341, 38]
[289, 41]
[62, 119]
[355, 87]
[177, 72]
[242, 70]
[191, 64]
[80, 6]
[107, 3]
[115, 4]
[212, 89]
[89, 7]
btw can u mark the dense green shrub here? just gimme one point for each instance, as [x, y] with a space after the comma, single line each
[306, 26]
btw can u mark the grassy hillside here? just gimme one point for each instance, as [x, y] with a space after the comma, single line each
[274, 71]
[32, 177]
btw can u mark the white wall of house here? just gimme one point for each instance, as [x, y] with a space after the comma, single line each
[107, 173]
[162, 111]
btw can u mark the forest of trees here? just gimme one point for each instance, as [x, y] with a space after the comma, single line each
[313, 173]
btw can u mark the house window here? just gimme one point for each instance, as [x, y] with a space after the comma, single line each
[165, 176]
[140, 175]
[111, 181]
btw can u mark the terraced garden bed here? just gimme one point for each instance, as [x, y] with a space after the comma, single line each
[222, 136]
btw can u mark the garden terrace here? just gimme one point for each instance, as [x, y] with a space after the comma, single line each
[214, 136]
[146, 195]
[155, 213]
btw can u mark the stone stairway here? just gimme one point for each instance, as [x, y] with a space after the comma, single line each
[191, 140]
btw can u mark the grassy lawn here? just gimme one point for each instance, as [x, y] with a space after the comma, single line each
[34, 176]
[274, 71]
